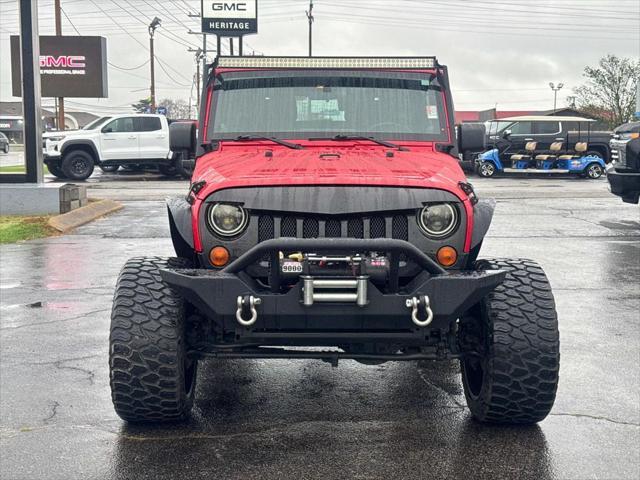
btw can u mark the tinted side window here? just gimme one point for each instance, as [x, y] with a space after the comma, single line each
[121, 125]
[548, 127]
[148, 124]
[521, 128]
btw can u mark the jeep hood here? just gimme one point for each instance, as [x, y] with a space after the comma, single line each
[233, 167]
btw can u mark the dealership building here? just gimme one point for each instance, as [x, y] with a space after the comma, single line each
[11, 120]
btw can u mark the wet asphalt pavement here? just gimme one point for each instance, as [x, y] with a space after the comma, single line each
[305, 419]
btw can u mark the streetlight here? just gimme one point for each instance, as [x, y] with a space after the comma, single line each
[155, 23]
[555, 93]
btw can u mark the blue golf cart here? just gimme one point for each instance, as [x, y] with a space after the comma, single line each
[516, 151]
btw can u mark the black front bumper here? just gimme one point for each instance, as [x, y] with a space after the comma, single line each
[283, 316]
[625, 185]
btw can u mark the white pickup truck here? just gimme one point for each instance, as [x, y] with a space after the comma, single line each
[130, 140]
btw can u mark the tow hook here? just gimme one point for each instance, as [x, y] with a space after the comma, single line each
[247, 304]
[414, 304]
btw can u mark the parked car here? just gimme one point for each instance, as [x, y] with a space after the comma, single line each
[121, 140]
[623, 173]
[513, 133]
[573, 154]
[328, 209]
[4, 143]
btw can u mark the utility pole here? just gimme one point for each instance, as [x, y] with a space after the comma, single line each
[155, 23]
[60, 123]
[310, 18]
[198, 83]
[204, 47]
[199, 56]
[555, 93]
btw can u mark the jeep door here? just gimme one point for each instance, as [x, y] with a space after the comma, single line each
[119, 140]
[154, 140]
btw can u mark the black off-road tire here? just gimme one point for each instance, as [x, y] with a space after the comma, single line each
[152, 380]
[513, 376]
[77, 165]
[55, 170]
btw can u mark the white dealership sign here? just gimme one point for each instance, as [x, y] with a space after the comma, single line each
[231, 18]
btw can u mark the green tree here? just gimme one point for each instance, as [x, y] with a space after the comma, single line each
[609, 92]
[142, 105]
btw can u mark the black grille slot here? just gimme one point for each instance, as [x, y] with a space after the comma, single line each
[317, 227]
[400, 228]
[265, 228]
[377, 227]
[355, 228]
[310, 228]
[333, 229]
[289, 227]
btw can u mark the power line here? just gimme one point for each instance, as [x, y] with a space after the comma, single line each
[132, 68]
[69, 20]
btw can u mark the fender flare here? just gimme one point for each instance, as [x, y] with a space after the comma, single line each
[482, 216]
[179, 211]
[87, 143]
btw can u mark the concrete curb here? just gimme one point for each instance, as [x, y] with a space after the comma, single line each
[68, 221]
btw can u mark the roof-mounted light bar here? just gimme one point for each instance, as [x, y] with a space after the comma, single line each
[327, 62]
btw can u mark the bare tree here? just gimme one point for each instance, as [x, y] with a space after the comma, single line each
[176, 109]
[610, 89]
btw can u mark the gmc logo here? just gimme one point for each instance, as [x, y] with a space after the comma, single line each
[62, 61]
[233, 7]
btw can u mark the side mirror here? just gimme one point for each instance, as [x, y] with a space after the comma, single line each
[506, 134]
[107, 130]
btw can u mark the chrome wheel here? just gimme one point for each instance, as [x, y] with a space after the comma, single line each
[594, 171]
[487, 169]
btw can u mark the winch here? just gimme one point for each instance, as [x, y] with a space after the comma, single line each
[375, 267]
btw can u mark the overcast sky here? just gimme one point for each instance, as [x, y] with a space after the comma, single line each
[499, 52]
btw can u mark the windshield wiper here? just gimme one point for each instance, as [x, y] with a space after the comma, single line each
[248, 138]
[362, 137]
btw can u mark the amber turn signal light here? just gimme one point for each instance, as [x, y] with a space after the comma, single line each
[219, 256]
[447, 256]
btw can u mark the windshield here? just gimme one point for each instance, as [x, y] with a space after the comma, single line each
[95, 123]
[497, 127]
[300, 105]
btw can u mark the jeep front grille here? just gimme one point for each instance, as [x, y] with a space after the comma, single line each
[265, 228]
[270, 226]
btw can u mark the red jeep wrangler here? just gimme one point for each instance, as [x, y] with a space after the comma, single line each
[328, 219]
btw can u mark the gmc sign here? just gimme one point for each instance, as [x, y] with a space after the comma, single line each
[62, 61]
[230, 18]
[69, 66]
[229, 6]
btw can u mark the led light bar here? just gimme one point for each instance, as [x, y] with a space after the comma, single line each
[327, 62]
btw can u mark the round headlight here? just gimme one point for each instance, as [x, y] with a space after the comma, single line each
[438, 220]
[227, 220]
